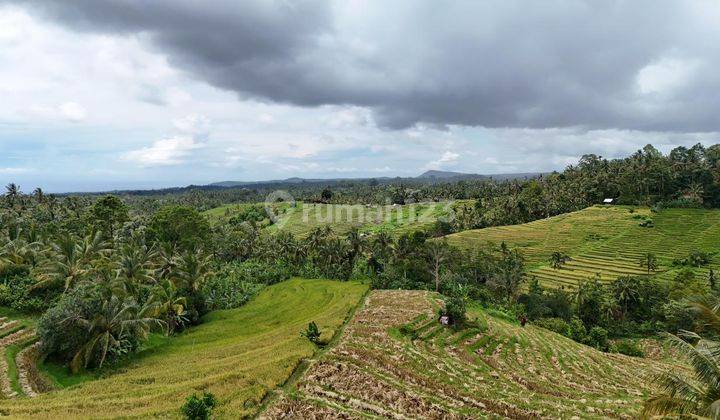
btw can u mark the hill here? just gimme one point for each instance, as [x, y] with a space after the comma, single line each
[395, 360]
[239, 355]
[435, 174]
[605, 241]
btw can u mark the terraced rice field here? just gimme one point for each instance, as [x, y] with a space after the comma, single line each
[304, 217]
[239, 355]
[605, 242]
[495, 370]
[18, 352]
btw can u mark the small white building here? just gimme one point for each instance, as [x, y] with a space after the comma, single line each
[608, 201]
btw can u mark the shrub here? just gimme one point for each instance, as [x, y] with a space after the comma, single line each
[16, 293]
[557, 325]
[629, 348]
[578, 332]
[60, 339]
[647, 223]
[455, 309]
[199, 408]
[694, 259]
[598, 338]
[312, 333]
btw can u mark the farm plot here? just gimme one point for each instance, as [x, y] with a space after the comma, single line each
[605, 242]
[18, 353]
[239, 355]
[396, 219]
[497, 369]
[302, 218]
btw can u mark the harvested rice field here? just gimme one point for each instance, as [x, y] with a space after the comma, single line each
[394, 360]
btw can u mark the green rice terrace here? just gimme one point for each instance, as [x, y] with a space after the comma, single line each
[302, 218]
[605, 242]
[395, 360]
[238, 355]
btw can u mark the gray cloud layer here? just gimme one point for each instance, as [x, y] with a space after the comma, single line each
[636, 64]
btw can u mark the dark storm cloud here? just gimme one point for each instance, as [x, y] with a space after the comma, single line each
[499, 63]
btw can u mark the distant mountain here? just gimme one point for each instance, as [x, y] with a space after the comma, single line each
[434, 174]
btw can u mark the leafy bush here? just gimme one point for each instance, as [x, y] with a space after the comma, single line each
[199, 408]
[250, 214]
[236, 283]
[647, 223]
[312, 333]
[578, 332]
[695, 259]
[60, 338]
[628, 348]
[598, 338]
[455, 309]
[229, 293]
[557, 325]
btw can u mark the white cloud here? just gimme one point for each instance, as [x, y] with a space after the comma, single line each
[172, 151]
[72, 111]
[193, 124]
[665, 75]
[12, 171]
[447, 159]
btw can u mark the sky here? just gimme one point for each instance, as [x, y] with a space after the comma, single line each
[115, 94]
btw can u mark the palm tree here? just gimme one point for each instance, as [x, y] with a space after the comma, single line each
[65, 265]
[168, 305]
[136, 262]
[120, 322]
[12, 193]
[700, 396]
[625, 290]
[193, 268]
[649, 262]
[39, 195]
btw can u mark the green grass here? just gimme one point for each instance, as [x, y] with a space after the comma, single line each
[11, 352]
[605, 241]
[494, 369]
[304, 217]
[239, 355]
[61, 376]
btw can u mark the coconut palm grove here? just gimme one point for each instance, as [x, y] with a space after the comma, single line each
[359, 209]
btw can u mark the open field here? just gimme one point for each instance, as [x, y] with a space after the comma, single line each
[304, 217]
[239, 355]
[605, 241]
[496, 369]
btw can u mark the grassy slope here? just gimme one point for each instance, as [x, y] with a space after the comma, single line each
[604, 240]
[301, 220]
[237, 354]
[497, 369]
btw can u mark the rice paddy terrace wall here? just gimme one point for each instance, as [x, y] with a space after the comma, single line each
[605, 242]
[497, 369]
[238, 355]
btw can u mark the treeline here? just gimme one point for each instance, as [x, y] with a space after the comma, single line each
[685, 177]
